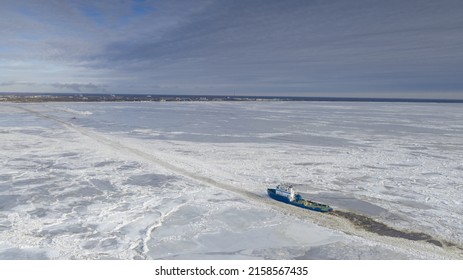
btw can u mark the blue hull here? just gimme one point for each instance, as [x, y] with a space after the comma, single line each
[302, 203]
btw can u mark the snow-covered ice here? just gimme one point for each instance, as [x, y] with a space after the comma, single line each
[188, 180]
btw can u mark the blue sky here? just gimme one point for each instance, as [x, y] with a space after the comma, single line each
[363, 48]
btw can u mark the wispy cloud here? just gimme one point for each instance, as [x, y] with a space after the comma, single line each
[67, 87]
[14, 83]
[89, 87]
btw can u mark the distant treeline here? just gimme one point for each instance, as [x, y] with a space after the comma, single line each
[68, 97]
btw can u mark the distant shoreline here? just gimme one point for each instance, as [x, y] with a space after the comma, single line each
[87, 97]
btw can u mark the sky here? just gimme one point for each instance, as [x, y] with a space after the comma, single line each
[328, 48]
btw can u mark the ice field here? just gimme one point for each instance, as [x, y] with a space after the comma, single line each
[187, 180]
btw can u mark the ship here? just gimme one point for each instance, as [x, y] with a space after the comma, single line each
[286, 193]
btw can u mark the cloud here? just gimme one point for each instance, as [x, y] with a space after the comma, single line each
[89, 87]
[294, 47]
[334, 46]
[14, 83]
[74, 87]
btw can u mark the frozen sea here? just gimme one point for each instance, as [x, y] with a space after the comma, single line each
[187, 180]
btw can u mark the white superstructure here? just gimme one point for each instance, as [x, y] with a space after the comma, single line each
[286, 190]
